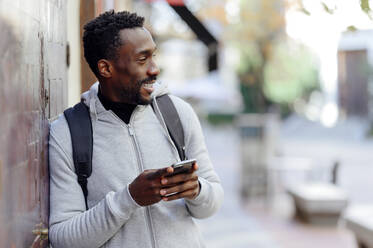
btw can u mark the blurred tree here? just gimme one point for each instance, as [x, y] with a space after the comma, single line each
[292, 73]
[332, 6]
[268, 72]
[260, 24]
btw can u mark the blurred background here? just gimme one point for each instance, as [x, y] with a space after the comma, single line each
[283, 90]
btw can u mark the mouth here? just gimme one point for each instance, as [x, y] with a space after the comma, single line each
[149, 86]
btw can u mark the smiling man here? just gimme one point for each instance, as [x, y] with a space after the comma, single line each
[135, 199]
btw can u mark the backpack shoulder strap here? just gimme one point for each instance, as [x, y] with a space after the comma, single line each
[173, 123]
[79, 121]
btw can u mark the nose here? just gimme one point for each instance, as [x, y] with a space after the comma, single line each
[153, 69]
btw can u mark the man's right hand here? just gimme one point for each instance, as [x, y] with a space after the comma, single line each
[145, 189]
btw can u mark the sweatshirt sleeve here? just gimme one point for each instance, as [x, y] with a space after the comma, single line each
[211, 194]
[70, 224]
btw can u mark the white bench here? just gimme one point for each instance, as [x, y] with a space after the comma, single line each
[319, 203]
[359, 219]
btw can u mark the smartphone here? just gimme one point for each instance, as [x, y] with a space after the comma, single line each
[183, 166]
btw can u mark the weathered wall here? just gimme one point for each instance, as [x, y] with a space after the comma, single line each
[32, 90]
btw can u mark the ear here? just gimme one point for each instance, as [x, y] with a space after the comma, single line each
[105, 69]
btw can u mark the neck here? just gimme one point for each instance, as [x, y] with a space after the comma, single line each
[109, 103]
[107, 93]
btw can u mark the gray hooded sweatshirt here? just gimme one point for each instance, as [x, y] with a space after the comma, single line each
[120, 153]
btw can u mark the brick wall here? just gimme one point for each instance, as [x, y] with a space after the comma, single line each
[32, 90]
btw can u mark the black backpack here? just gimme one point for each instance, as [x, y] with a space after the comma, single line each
[79, 121]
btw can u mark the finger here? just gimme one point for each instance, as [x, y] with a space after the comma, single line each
[160, 172]
[195, 166]
[179, 188]
[179, 178]
[190, 194]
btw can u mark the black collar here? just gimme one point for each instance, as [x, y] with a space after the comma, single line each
[122, 110]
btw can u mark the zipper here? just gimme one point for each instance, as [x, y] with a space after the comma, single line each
[148, 219]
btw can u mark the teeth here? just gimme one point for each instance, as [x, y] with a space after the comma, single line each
[148, 85]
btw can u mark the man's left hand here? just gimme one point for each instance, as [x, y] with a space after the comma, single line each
[183, 185]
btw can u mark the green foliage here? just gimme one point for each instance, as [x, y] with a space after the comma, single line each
[351, 28]
[364, 5]
[304, 11]
[250, 71]
[290, 74]
[269, 73]
[253, 98]
[327, 8]
[250, 57]
[220, 119]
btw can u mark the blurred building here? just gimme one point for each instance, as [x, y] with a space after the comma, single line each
[194, 56]
[335, 50]
[355, 70]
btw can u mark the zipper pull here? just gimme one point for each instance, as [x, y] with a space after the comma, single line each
[130, 130]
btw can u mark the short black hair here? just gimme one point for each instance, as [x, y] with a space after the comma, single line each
[101, 38]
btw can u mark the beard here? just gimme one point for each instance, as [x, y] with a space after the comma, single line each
[131, 93]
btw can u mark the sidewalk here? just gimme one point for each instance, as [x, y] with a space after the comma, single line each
[233, 226]
[256, 225]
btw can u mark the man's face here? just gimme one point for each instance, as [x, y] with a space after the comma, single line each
[134, 70]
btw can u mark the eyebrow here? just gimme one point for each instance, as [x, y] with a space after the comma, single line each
[147, 51]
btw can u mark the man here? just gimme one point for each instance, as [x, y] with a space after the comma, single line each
[134, 198]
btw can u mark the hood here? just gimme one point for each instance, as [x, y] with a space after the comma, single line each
[91, 100]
